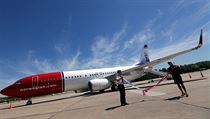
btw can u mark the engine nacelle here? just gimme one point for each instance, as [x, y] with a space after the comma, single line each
[98, 84]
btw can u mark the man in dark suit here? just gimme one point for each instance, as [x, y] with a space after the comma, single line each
[121, 88]
[175, 72]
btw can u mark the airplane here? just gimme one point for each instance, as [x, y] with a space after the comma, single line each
[91, 79]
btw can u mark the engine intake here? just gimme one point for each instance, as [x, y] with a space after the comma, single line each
[98, 84]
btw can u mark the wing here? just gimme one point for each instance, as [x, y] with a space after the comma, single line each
[157, 61]
[163, 59]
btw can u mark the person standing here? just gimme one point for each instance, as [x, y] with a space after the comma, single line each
[175, 72]
[121, 88]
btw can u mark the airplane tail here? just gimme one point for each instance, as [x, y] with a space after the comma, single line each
[144, 58]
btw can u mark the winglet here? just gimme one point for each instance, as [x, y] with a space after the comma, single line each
[201, 39]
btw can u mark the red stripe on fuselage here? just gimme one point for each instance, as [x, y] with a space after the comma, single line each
[36, 85]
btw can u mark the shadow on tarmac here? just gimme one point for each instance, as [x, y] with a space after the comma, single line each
[112, 108]
[173, 98]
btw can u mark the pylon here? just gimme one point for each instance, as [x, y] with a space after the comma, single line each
[201, 74]
[190, 76]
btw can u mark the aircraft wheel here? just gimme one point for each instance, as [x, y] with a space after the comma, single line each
[29, 102]
[101, 91]
[114, 87]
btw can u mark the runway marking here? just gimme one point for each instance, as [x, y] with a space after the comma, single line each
[149, 93]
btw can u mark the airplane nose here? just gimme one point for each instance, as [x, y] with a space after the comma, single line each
[4, 92]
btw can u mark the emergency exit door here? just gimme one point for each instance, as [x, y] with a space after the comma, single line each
[35, 81]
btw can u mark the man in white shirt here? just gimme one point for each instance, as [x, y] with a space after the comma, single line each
[121, 88]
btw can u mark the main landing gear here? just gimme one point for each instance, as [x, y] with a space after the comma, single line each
[29, 102]
[114, 87]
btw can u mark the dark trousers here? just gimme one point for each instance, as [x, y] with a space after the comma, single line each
[121, 88]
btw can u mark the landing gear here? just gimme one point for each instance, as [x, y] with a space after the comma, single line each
[114, 87]
[29, 102]
[101, 91]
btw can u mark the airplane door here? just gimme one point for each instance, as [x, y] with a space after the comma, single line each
[35, 81]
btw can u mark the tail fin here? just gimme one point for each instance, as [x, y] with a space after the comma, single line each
[144, 58]
[201, 39]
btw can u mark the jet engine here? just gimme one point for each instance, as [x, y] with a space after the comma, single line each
[98, 84]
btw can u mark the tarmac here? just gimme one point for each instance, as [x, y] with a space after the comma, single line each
[164, 103]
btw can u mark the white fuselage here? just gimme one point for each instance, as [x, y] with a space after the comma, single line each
[78, 80]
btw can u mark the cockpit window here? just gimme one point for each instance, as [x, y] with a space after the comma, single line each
[18, 82]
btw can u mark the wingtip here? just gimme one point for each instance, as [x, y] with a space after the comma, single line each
[201, 39]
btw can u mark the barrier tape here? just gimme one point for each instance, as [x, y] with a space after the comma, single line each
[164, 77]
[128, 82]
[150, 87]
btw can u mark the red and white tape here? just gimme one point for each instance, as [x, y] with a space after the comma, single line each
[164, 77]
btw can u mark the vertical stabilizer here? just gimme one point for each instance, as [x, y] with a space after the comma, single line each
[144, 58]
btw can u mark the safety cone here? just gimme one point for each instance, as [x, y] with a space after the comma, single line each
[201, 74]
[190, 76]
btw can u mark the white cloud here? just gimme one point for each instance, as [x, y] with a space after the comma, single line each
[175, 47]
[104, 44]
[139, 38]
[33, 65]
[170, 32]
[199, 12]
[186, 42]
[69, 63]
[107, 52]
[42, 66]
[202, 12]
[58, 48]
[104, 49]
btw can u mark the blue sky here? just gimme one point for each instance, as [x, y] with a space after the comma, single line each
[38, 36]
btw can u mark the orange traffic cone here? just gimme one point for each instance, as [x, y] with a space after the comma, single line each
[190, 76]
[201, 74]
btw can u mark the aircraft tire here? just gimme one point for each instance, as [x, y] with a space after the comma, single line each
[114, 87]
[29, 102]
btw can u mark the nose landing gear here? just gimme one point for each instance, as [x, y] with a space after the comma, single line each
[29, 102]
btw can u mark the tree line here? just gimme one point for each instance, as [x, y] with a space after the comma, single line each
[203, 65]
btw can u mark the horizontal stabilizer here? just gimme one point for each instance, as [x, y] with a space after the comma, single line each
[158, 73]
